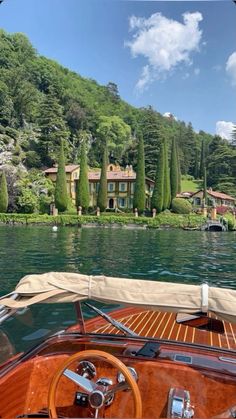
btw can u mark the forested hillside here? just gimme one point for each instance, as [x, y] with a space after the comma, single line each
[42, 102]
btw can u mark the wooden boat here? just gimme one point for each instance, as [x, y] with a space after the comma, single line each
[169, 352]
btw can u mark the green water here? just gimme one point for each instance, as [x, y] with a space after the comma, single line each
[177, 256]
[168, 255]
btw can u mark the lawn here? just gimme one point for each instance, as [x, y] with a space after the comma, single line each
[190, 185]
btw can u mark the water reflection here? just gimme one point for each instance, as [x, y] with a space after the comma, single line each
[179, 256]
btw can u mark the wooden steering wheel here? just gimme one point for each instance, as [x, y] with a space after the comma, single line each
[96, 395]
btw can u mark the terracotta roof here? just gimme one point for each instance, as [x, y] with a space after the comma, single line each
[215, 194]
[119, 175]
[95, 174]
[220, 195]
[69, 168]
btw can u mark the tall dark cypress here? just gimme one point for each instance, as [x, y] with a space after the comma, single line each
[179, 169]
[102, 191]
[139, 192]
[174, 173]
[61, 195]
[166, 193]
[202, 161]
[205, 185]
[157, 196]
[82, 192]
[3, 193]
[196, 164]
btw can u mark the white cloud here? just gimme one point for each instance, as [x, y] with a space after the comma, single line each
[170, 115]
[165, 43]
[224, 129]
[196, 71]
[231, 67]
[145, 79]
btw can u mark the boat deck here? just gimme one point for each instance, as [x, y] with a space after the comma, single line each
[162, 325]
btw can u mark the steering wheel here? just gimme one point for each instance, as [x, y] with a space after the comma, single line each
[97, 394]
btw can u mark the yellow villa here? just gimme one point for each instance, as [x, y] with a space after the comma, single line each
[120, 185]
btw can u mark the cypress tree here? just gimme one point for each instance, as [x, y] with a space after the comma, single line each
[82, 191]
[61, 196]
[157, 196]
[166, 187]
[174, 172]
[205, 185]
[179, 170]
[202, 161]
[3, 194]
[196, 165]
[139, 192]
[102, 191]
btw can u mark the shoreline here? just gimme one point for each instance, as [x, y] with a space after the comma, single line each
[166, 220]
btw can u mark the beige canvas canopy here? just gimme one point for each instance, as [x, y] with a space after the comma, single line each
[60, 287]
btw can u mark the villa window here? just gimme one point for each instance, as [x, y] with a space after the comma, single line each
[132, 187]
[110, 187]
[97, 186]
[122, 187]
[121, 202]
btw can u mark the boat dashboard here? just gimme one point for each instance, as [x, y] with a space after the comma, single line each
[74, 375]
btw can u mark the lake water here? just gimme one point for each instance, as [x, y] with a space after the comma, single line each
[168, 255]
[164, 255]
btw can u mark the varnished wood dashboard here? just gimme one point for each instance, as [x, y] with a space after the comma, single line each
[210, 380]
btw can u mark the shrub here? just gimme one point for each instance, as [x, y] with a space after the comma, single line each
[32, 159]
[5, 139]
[221, 210]
[17, 150]
[44, 204]
[2, 129]
[181, 206]
[11, 132]
[27, 202]
[16, 160]
[3, 194]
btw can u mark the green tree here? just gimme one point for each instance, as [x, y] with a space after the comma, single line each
[233, 136]
[166, 186]
[205, 185]
[113, 91]
[116, 133]
[152, 135]
[6, 105]
[174, 172]
[202, 161]
[28, 202]
[139, 192]
[61, 196]
[196, 168]
[82, 192]
[179, 170]
[102, 191]
[157, 196]
[53, 128]
[3, 194]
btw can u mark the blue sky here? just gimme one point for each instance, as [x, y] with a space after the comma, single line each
[179, 57]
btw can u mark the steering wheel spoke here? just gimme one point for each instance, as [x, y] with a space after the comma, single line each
[81, 381]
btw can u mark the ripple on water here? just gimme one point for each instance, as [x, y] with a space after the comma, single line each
[171, 255]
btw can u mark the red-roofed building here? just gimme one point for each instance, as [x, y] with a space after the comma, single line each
[120, 185]
[214, 198]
